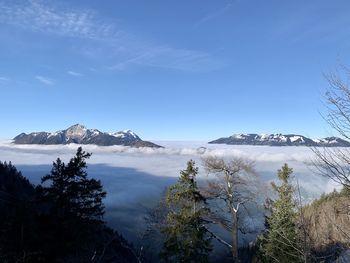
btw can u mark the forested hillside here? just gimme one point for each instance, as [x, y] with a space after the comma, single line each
[60, 220]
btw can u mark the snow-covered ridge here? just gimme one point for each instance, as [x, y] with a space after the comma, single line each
[125, 134]
[81, 135]
[279, 139]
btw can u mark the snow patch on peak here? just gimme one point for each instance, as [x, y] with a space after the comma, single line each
[131, 133]
[53, 134]
[125, 134]
[296, 138]
[329, 140]
[264, 136]
[118, 134]
[238, 136]
[95, 132]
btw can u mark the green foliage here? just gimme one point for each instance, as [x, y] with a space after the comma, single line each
[344, 192]
[186, 238]
[282, 240]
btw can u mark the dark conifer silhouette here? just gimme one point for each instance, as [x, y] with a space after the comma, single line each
[60, 220]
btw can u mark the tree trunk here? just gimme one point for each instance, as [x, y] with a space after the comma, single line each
[234, 234]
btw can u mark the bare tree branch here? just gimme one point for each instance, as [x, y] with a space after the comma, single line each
[233, 185]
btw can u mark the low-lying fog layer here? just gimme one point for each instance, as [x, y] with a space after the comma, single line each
[135, 178]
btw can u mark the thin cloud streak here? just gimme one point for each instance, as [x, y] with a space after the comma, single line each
[75, 74]
[167, 57]
[45, 80]
[120, 49]
[214, 15]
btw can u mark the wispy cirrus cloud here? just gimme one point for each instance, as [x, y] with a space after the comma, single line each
[4, 79]
[106, 41]
[167, 57]
[45, 80]
[214, 14]
[74, 73]
[42, 16]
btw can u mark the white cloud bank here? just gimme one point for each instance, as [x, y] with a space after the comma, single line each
[257, 153]
[168, 161]
[134, 178]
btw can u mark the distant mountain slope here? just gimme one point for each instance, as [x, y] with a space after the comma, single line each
[280, 140]
[81, 135]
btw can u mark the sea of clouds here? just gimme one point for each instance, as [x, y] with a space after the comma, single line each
[135, 178]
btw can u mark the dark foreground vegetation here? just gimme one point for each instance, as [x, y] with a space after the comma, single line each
[61, 220]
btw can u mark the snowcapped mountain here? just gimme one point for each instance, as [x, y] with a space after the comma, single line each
[280, 140]
[332, 142]
[127, 134]
[81, 135]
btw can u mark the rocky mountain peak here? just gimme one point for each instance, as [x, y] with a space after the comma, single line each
[76, 131]
[81, 135]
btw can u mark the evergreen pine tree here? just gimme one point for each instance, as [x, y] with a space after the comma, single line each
[282, 240]
[75, 208]
[186, 238]
[72, 192]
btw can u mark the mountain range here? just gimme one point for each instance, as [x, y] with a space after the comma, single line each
[81, 135]
[279, 139]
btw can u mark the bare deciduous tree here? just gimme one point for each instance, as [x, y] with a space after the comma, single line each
[329, 161]
[334, 162]
[233, 186]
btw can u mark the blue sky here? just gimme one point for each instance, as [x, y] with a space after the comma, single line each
[169, 70]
